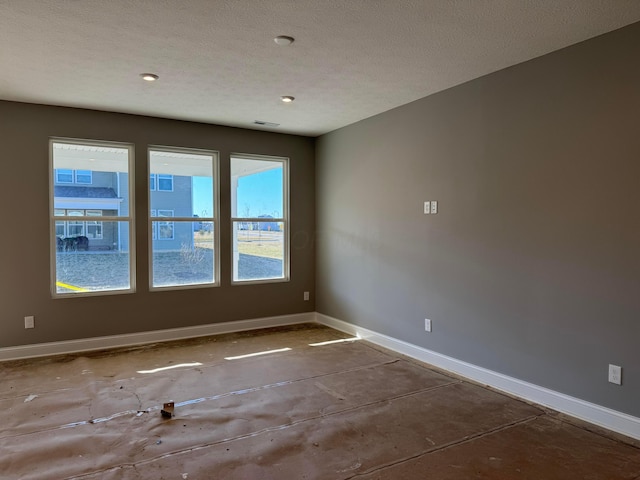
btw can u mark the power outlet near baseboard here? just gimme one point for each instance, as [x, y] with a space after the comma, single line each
[29, 322]
[615, 374]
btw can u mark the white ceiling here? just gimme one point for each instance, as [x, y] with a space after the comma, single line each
[218, 62]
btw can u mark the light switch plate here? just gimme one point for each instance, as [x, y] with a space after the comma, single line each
[427, 325]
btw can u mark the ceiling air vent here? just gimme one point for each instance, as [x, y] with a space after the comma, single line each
[266, 124]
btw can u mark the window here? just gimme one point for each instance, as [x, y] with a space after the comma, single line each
[74, 228]
[84, 176]
[94, 227]
[259, 211]
[91, 226]
[183, 203]
[61, 227]
[163, 183]
[162, 230]
[65, 175]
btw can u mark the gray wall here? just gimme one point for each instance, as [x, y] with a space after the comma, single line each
[532, 265]
[24, 240]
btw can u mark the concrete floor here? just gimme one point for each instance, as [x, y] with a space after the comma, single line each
[335, 410]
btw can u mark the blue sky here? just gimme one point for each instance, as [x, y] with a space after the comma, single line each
[202, 194]
[260, 194]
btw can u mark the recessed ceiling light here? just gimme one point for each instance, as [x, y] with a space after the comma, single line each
[283, 40]
[287, 99]
[149, 77]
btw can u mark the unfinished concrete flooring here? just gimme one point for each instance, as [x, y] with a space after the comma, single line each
[313, 408]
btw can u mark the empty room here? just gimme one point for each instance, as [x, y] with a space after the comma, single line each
[330, 239]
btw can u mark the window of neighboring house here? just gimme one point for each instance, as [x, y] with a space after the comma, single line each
[154, 225]
[160, 182]
[165, 183]
[75, 227]
[260, 211]
[94, 227]
[90, 229]
[165, 227]
[61, 227]
[84, 176]
[65, 175]
[183, 249]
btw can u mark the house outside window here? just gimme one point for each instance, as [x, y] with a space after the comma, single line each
[91, 223]
[183, 203]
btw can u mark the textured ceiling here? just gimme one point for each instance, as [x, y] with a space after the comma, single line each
[218, 62]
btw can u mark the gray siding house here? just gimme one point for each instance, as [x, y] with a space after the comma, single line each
[171, 196]
[86, 193]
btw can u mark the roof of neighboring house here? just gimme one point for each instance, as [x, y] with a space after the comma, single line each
[84, 192]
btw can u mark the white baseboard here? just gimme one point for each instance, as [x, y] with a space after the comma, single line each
[126, 340]
[589, 412]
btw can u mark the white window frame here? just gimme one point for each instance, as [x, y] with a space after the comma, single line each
[66, 218]
[284, 220]
[155, 216]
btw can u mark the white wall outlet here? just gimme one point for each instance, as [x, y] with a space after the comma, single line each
[427, 325]
[427, 208]
[615, 374]
[306, 296]
[434, 207]
[29, 322]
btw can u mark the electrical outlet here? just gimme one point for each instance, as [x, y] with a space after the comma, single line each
[29, 322]
[434, 207]
[306, 296]
[427, 325]
[615, 374]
